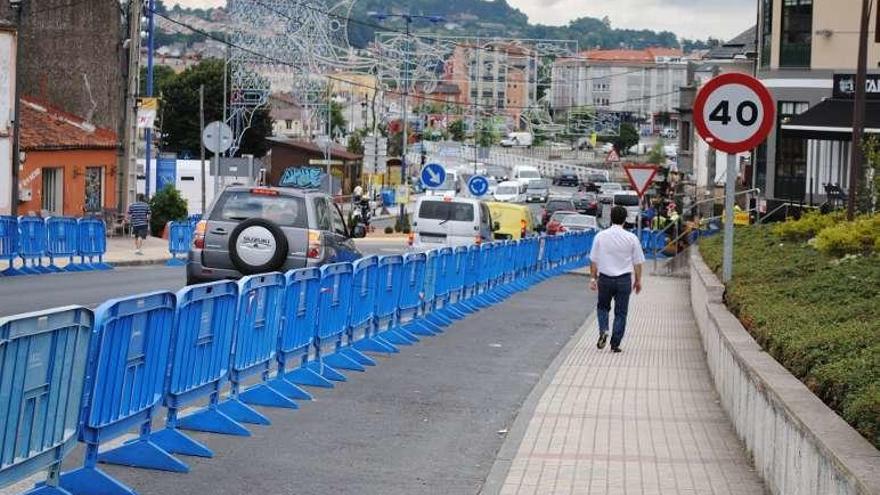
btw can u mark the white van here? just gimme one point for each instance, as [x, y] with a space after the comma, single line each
[518, 139]
[510, 191]
[630, 201]
[449, 188]
[450, 222]
[525, 174]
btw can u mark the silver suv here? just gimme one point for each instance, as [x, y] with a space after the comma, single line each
[262, 229]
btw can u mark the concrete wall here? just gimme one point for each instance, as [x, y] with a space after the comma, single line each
[799, 446]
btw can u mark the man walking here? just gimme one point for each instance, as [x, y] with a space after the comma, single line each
[615, 271]
[139, 218]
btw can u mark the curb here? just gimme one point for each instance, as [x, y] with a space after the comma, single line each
[145, 262]
[504, 458]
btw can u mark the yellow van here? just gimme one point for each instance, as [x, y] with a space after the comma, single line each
[514, 221]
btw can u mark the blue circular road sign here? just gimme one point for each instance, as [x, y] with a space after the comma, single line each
[478, 185]
[433, 175]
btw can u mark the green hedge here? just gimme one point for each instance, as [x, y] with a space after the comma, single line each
[816, 314]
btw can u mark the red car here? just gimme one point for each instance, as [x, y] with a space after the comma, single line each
[554, 224]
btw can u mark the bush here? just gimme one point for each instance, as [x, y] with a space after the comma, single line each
[165, 206]
[807, 226]
[818, 315]
[861, 236]
[406, 230]
[389, 230]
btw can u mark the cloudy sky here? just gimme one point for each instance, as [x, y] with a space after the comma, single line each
[687, 18]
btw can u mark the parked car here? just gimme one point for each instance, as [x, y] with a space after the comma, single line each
[556, 204]
[450, 222]
[607, 190]
[670, 150]
[593, 182]
[577, 223]
[630, 201]
[449, 188]
[263, 229]
[639, 149]
[566, 179]
[510, 192]
[586, 202]
[537, 191]
[525, 174]
[514, 221]
[517, 139]
[554, 223]
[493, 185]
[669, 133]
[500, 174]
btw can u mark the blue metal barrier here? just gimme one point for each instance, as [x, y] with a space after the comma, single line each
[388, 283]
[333, 316]
[201, 346]
[363, 323]
[125, 382]
[412, 296]
[180, 237]
[457, 281]
[256, 339]
[92, 239]
[32, 245]
[9, 244]
[471, 278]
[192, 220]
[298, 327]
[62, 242]
[42, 375]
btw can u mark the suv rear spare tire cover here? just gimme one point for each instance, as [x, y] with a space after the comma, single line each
[257, 246]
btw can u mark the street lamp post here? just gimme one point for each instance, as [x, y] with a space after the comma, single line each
[408, 19]
[148, 134]
[16, 110]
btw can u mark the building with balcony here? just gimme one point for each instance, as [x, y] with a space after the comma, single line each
[644, 83]
[807, 58]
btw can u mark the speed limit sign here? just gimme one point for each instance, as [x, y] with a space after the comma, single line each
[734, 113]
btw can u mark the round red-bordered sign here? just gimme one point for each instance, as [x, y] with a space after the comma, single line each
[734, 113]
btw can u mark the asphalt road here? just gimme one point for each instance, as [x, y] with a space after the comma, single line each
[38, 292]
[428, 420]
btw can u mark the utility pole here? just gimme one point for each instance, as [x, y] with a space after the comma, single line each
[857, 155]
[148, 135]
[201, 144]
[16, 109]
[126, 175]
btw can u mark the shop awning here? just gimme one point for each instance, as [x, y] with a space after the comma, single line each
[831, 120]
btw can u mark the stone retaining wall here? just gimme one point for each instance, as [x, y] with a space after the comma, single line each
[798, 444]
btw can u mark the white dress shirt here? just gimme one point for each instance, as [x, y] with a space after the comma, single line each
[615, 251]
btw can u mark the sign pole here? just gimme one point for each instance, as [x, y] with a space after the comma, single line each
[729, 189]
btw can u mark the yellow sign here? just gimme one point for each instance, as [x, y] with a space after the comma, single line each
[146, 112]
[594, 138]
[741, 218]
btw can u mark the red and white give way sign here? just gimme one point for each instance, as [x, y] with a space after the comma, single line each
[734, 113]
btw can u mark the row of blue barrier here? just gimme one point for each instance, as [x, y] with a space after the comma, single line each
[33, 239]
[69, 374]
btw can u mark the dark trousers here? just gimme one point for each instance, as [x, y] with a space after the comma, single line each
[618, 289]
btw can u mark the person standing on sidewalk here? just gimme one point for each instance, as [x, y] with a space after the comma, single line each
[139, 218]
[615, 271]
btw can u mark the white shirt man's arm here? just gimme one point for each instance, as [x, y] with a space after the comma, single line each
[594, 264]
[638, 257]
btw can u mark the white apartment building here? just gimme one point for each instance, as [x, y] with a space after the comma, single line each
[641, 82]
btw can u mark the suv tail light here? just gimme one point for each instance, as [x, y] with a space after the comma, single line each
[263, 191]
[315, 249]
[478, 240]
[410, 239]
[199, 234]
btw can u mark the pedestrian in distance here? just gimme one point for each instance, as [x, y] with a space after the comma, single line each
[616, 261]
[139, 219]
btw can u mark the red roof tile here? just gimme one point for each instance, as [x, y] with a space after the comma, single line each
[46, 128]
[647, 55]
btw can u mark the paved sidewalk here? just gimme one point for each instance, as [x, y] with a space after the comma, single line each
[646, 421]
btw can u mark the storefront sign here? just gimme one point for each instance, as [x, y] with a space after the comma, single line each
[845, 86]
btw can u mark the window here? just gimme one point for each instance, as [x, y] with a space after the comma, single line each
[441, 210]
[685, 136]
[240, 205]
[53, 191]
[338, 222]
[766, 31]
[797, 33]
[94, 190]
[323, 220]
[288, 124]
[791, 155]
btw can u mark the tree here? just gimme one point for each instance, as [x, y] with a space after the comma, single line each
[487, 133]
[356, 141]
[656, 155]
[165, 206]
[179, 109]
[456, 130]
[337, 120]
[626, 138]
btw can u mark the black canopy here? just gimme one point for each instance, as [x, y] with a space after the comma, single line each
[831, 120]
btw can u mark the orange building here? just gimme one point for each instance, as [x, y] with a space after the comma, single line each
[69, 165]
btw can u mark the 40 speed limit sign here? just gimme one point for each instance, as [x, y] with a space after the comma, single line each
[733, 113]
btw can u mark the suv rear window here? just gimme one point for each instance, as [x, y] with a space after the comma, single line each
[626, 199]
[236, 206]
[442, 210]
[559, 205]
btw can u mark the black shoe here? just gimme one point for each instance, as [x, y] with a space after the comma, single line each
[616, 349]
[603, 338]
